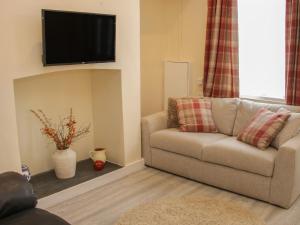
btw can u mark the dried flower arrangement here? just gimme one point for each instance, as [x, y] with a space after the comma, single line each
[64, 133]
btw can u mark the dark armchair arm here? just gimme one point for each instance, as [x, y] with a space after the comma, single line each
[16, 194]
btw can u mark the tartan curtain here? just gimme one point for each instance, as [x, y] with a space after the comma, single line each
[292, 73]
[221, 73]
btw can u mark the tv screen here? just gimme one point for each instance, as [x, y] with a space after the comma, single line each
[76, 38]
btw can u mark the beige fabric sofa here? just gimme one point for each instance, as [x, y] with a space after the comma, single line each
[218, 159]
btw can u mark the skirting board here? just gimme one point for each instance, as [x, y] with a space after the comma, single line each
[82, 188]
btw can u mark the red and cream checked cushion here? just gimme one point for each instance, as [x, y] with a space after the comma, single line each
[194, 115]
[263, 127]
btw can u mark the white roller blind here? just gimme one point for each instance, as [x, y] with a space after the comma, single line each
[262, 48]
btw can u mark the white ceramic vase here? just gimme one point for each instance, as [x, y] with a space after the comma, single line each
[64, 163]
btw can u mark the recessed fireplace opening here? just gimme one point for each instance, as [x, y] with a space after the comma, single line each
[96, 99]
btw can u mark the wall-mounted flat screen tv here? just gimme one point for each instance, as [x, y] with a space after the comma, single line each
[77, 38]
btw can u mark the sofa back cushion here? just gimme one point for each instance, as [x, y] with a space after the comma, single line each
[247, 109]
[290, 130]
[224, 112]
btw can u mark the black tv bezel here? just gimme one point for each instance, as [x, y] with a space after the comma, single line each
[74, 63]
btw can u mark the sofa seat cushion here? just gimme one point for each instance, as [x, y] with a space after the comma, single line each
[235, 154]
[184, 143]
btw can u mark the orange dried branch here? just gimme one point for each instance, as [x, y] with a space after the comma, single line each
[65, 133]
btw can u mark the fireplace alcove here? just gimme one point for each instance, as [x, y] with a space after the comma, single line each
[21, 51]
[95, 95]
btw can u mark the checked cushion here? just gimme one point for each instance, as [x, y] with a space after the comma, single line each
[263, 127]
[195, 115]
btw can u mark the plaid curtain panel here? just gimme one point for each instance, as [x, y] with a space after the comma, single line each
[292, 77]
[221, 72]
[264, 127]
[194, 115]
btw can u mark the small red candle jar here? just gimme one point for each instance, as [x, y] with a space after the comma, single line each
[98, 165]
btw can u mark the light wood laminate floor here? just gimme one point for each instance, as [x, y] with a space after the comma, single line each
[104, 205]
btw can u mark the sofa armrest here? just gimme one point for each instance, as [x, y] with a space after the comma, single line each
[150, 124]
[16, 194]
[285, 185]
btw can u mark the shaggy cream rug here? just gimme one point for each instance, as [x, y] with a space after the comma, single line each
[190, 211]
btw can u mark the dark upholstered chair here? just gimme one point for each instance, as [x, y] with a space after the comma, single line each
[17, 203]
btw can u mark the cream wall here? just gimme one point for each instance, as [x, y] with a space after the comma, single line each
[20, 56]
[175, 33]
[55, 94]
[153, 42]
[107, 111]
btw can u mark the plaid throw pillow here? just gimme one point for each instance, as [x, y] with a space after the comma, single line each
[172, 111]
[263, 127]
[194, 115]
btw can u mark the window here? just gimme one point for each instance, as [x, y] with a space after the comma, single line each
[262, 48]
